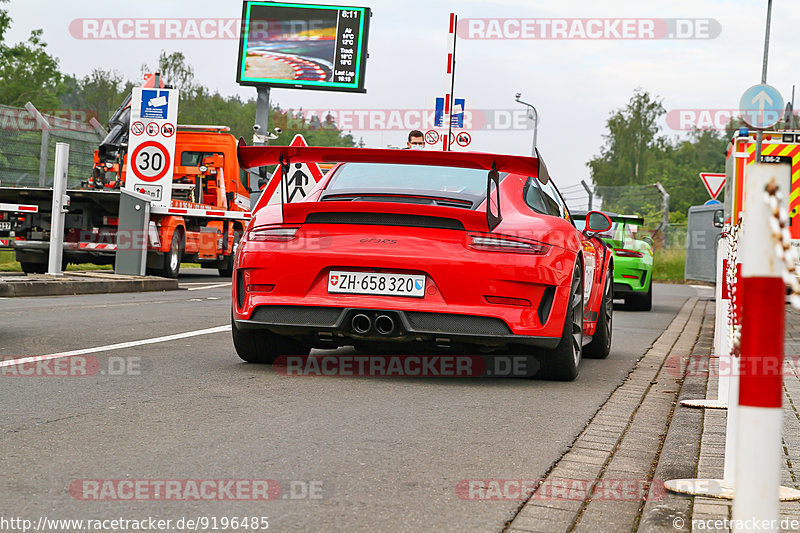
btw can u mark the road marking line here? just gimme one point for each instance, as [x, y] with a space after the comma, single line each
[119, 346]
[209, 287]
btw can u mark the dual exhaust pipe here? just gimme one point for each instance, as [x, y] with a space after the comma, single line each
[363, 324]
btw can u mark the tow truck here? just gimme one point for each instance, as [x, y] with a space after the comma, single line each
[778, 146]
[209, 210]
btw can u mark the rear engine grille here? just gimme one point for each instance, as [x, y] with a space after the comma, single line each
[457, 324]
[295, 315]
[385, 219]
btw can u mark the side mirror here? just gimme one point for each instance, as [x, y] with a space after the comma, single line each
[648, 240]
[719, 218]
[596, 222]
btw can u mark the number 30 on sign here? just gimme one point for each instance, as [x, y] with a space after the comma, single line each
[150, 161]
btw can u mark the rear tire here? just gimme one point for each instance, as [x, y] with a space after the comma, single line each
[226, 270]
[33, 268]
[640, 302]
[262, 346]
[561, 363]
[172, 260]
[600, 346]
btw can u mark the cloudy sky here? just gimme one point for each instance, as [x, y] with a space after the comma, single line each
[574, 83]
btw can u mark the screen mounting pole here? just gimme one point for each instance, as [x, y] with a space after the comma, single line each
[262, 113]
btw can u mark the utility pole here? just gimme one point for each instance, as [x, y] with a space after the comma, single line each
[664, 212]
[760, 135]
[535, 120]
[589, 192]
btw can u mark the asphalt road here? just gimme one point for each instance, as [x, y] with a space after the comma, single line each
[376, 454]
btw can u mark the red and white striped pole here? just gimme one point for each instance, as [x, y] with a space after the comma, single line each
[728, 388]
[451, 80]
[760, 415]
[722, 348]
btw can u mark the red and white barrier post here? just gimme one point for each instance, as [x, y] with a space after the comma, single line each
[728, 390]
[722, 348]
[760, 416]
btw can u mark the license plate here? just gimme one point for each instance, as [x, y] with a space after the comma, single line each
[375, 283]
[5, 226]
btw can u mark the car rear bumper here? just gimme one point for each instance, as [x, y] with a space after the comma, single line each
[523, 296]
[335, 326]
[632, 275]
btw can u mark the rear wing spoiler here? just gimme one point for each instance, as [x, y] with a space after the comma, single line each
[256, 156]
[620, 219]
[628, 219]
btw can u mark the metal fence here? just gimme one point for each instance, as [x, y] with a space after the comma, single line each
[28, 143]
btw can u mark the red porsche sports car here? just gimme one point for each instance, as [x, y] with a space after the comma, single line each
[448, 249]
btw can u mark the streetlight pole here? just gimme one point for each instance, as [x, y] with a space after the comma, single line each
[535, 121]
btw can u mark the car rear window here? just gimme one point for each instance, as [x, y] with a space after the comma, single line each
[409, 178]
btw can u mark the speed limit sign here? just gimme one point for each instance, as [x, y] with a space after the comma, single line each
[150, 161]
[151, 146]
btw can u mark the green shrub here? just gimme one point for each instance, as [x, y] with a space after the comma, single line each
[668, 264]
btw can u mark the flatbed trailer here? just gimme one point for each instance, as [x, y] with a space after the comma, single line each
[204, 231]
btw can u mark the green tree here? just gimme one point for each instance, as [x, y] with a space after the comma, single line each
[631, 142]
[680, 163]
[27, 71]
[100, 93]
[635, 156]
[176, 71]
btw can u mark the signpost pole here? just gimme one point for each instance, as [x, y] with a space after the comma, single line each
[760, 135]
[60, 203]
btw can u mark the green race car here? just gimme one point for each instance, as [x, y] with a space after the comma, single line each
[633, 259]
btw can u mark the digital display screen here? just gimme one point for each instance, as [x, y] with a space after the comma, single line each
[303, 46]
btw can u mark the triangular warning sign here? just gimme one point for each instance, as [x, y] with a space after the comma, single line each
[713, 182]
[302, 178]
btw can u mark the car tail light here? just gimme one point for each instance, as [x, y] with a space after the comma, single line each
[504, 243]
[621, 252]
[272, 233]
[629, 276]
[260, 287]
[506, 300]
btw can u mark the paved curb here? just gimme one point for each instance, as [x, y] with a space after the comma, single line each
[621, 442]
[81, 283]
[681, 451]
